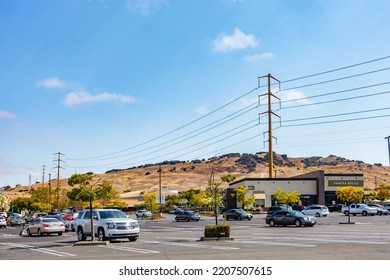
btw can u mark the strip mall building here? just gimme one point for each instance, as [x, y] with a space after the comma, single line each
[315, 188]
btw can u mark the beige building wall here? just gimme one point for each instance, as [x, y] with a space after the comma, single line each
[268, 187]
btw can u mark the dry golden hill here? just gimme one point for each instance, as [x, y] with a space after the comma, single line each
[182, 176]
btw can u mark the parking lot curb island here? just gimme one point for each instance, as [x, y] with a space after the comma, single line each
[215, 238]
[90, 243]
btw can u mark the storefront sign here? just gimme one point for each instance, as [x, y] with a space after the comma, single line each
[344, 183]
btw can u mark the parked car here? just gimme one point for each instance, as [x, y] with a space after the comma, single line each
[297, 207]
[33, 216]
[380, 210]
[45, 225]
[15, 220]
[60, 218]
[3, 214]
[386, 206]
[335, 207]
[289, 217]
[278, 207]
[359, 208]
[3, 222]
[237, 214]
[108, 224]
[143, 213]
[316, 210]
[175, 211]
[187, 215]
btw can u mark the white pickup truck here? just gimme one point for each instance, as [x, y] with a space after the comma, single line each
[360, 208]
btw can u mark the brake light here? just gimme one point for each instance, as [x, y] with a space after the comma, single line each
[46, 225]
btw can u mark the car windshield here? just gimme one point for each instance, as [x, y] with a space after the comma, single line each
[240, 211]
[112, 214]
[190, 212]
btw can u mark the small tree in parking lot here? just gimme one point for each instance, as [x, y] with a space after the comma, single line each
[285, 197]
[350, 195]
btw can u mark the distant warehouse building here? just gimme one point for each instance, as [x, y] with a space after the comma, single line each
[315, 188]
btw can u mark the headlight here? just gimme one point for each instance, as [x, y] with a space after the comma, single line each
[134, 225]
[110, 225]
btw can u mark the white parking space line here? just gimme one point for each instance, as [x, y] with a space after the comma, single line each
[38, 249]
[143, 251]
[272, 243]
[192, 245]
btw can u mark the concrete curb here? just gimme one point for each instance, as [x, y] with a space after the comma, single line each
[215, 238]
[90, 243]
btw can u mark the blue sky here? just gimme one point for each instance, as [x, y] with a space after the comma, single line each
[116, 84]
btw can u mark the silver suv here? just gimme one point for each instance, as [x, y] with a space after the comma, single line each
[107, 224]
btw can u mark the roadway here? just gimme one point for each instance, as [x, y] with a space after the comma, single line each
[165, 239]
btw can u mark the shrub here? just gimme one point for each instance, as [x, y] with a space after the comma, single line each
[217, 231]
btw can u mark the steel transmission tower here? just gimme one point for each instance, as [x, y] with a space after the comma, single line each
[270, 113]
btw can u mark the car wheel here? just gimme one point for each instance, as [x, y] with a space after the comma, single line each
[132, 239]
[187, 219]
[60, 233]
[318, 215]
[346, 213]
[80, 235]
[364, 213]
[271, 223]
[380, 213]
[28, 232]
[101, 236]
[176, 219]
[297, 223]
[40, 232]
[249, 218]
[240, 218]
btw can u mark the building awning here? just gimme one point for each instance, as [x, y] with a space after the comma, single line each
[259, 195]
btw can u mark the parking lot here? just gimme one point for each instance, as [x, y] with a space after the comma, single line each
[164, 239]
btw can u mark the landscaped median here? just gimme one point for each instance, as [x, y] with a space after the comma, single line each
[216, 232]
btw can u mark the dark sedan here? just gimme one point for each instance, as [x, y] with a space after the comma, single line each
[187, 216]
[285, 218]
[335, 207]
[237, 214]
[15, 221]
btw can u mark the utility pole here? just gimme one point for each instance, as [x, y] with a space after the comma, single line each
[49, 192]
[58, 179]
[269, 112]
[159, 188]
[43, 175]
[388, 144]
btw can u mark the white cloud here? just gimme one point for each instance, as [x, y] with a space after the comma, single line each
[53, 82]
[237, 41]
[201, 110]
[259, 57]
[82, 97]
[144, 7]
[5, 115]
[293, 97]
